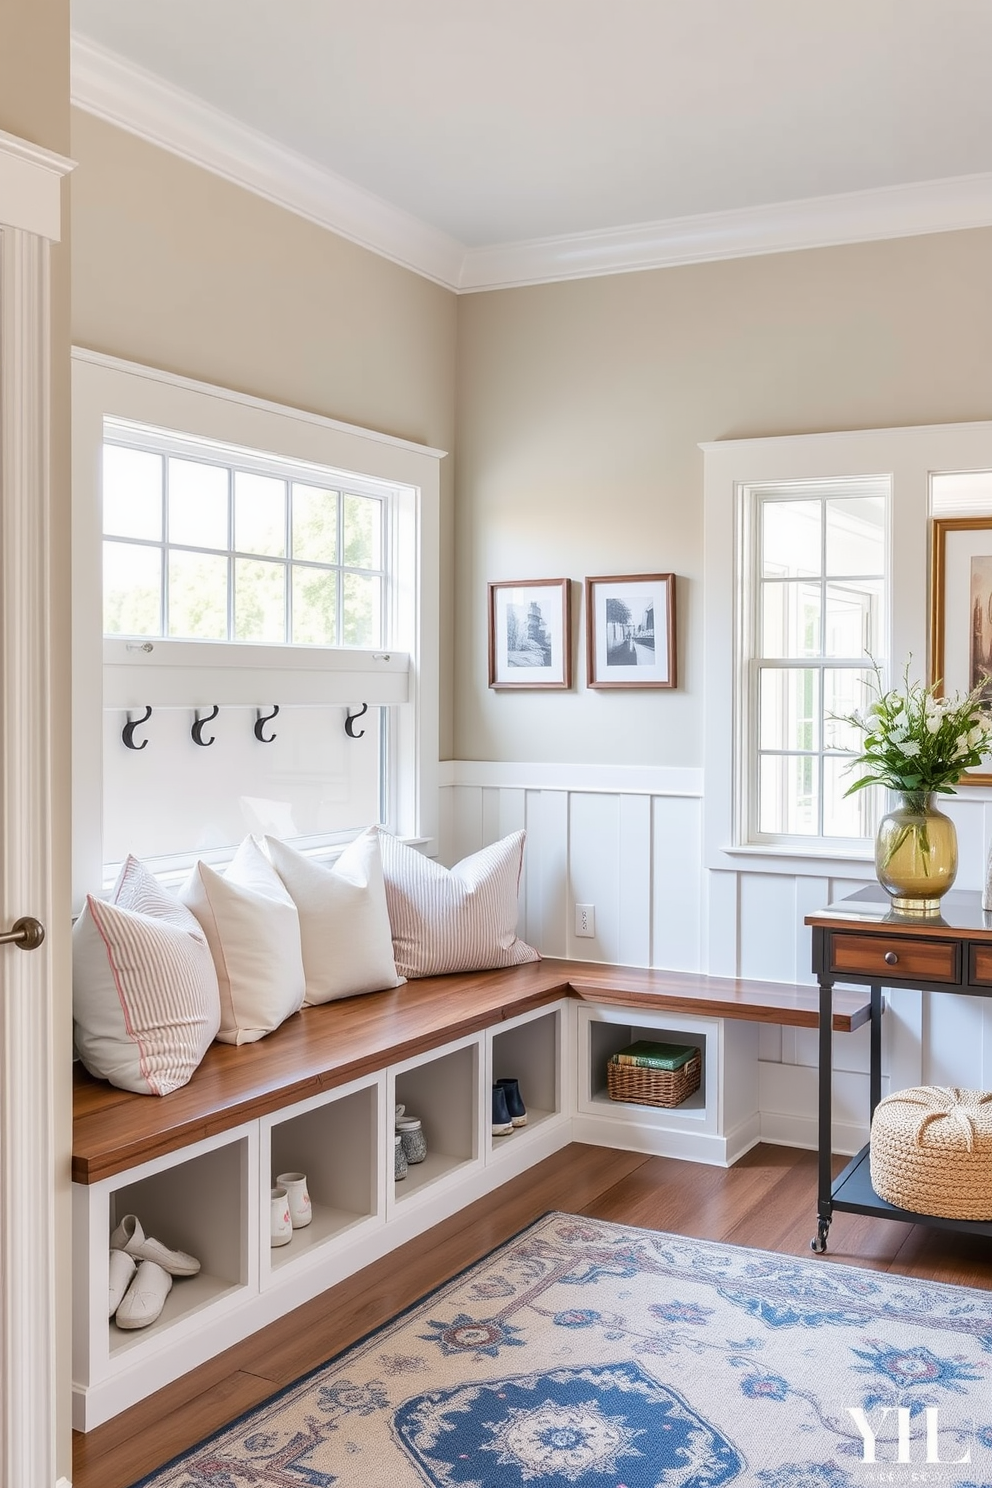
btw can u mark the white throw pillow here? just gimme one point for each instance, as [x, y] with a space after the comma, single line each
[454, 919]
[344, 922]
[145, 1002]
[253, 931]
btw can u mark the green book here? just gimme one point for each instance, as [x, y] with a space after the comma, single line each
[650, 1055]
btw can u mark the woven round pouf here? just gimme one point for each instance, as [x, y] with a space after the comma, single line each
[931, 1151]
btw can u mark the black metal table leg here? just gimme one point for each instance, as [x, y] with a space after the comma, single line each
[875, 1062]
[824, 1207]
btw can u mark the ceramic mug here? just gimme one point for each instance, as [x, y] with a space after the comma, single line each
[295, 1185]
[281, 1223]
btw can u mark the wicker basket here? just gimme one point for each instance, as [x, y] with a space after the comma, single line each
[653, 1087]
[931, 1151]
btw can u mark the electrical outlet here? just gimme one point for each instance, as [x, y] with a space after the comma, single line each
[585, 920]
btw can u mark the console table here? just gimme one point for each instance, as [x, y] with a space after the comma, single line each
[862, 940]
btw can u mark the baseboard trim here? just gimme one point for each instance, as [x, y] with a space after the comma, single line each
[788, 1130]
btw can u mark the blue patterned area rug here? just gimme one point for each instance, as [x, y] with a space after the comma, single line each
[591, 1354]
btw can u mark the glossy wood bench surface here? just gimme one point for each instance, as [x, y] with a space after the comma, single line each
[322, 1047]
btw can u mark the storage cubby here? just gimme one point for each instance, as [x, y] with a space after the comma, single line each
[334, 1141]
[443, 1090]
[528, 1049]
[607, 1039]
[199, 1206]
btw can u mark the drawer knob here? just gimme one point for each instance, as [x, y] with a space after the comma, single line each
[891, 958]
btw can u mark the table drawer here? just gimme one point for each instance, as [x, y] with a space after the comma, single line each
[894, 957]
[980, 966]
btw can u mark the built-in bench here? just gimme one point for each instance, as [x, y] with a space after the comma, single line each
[318, 1094]
[323, 1047]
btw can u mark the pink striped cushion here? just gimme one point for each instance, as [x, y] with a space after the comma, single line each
[145, 1003]
[454, 919]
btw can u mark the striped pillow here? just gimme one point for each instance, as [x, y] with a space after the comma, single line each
[145, 1004]
[454, 919]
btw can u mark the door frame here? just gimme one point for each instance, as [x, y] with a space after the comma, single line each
[32, 1334]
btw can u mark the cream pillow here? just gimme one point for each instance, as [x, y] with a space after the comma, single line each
[454, 919]
[145, 1002]
[344, 922]
[253, 931]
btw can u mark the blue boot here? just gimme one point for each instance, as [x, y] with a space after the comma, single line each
[502, 1124]
[514, 1101]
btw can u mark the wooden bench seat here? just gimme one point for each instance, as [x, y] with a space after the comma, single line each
[323, 1047]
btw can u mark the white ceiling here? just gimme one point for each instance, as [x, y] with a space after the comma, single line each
[535, 119]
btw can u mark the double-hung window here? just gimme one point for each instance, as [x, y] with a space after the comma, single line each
[814, 603]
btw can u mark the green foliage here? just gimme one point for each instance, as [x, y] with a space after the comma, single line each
[916, 741]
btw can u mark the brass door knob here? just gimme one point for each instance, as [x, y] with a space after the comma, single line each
[27, 933]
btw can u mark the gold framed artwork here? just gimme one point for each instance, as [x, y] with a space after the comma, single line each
[530, 634]
[961, 612]
[630, 630]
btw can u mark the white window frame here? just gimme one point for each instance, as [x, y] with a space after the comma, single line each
[907, 456]
[752, 662]
[402, 673]
[124, 434]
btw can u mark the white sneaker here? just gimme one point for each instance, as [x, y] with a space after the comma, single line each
[130, 1237]
[122, 1269]
[145, 1297]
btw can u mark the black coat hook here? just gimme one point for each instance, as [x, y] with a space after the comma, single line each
[261, 719]
[196, 732]
[350, 720]
[127, 732]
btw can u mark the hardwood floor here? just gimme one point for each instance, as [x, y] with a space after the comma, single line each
[767, 1200]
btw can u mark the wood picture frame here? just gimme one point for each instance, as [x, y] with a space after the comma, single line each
[630, 631]
[530, 634]
[961, 612]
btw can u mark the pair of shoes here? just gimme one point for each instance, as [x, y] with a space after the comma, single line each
[130, 1238]
[141, 1272]
[144, 1298]
[514, 1101]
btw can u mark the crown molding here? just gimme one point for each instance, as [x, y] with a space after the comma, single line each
[783, 227]
[138, 101]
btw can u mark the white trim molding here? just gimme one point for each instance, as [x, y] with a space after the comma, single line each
[27, 1072]
[781, 227]
[31, 187]
[642, 780]
[124, 94]
[263, 405]
[128, 96]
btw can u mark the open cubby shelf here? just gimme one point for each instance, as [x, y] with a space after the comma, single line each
[212, 1196]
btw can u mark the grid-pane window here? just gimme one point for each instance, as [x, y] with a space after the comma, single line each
[218, 550]
[817, 613]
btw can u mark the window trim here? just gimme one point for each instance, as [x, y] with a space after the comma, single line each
[908, 456]
[108, 387]
[750, 663]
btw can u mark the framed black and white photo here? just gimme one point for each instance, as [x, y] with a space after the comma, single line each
[529, 634]
[630, 630]
[961, 613]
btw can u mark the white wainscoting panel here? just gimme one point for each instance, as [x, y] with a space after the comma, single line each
[631, 844]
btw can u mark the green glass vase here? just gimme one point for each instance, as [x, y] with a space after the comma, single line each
[916, 854]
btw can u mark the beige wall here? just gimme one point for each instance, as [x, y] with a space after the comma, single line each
[580, 407]
[177, 268]
[34, 104]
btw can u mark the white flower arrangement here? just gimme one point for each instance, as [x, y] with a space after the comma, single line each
[917, 741]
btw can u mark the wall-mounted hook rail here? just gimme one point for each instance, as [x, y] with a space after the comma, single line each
[350, 721]
[127, 732]
[261, 719]
[196, 732]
